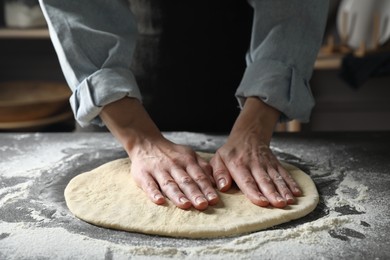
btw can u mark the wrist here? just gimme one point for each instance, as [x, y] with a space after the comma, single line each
[131, 125]
[256, 119]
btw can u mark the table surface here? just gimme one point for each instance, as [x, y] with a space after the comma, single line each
[351, 172]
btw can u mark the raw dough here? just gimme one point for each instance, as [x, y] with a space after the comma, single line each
[108, 197]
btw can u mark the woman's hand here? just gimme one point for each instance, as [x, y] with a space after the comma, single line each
[159, 167]
[178, 172]
[247, 159]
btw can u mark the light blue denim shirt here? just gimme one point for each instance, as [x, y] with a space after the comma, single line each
[95, 42]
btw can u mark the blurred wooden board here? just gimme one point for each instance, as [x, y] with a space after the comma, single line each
[36, 124]
[25, 101]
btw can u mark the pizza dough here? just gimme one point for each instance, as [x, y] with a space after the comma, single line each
[107, 196]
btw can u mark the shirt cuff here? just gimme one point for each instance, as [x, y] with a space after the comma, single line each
[278, 85]
[99, 89]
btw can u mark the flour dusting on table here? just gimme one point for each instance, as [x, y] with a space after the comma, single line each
[35, 222]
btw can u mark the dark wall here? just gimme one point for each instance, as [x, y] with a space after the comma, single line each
[190, 59]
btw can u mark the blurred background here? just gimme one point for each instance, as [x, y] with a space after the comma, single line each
[189, 48]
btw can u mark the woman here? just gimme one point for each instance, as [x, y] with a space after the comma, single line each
[95, 40]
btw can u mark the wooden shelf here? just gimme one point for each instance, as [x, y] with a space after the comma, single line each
[13, 33]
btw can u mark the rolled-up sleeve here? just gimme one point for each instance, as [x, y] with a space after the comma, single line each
[286, 37]
[94, 41]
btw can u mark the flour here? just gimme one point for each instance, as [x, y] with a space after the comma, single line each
[18, 191]
[53, 240]
[21, 136]
[31, 241]
[349, 193]
[307, 233]
[20, 165]
[58, 240]
[44, 229]
[40, 159]
[37, 215]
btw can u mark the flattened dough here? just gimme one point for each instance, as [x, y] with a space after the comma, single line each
[107, 196]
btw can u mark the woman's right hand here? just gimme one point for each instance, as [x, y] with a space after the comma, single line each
[159, 167]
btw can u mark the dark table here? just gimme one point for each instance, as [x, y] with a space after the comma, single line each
[351, 171]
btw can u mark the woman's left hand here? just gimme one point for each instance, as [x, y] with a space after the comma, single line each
[247, 159]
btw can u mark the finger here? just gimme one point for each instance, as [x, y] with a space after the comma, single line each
[248, 186]
[203, 182]
[150, 187]
[170, 188]
[221, 173]
[206, 167]
[291, 183]
[281, 185]
[189, 188]
[267, 187]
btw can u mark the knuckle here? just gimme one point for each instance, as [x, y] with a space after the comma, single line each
[201, 178]
[149, 185]
[282, 186]
[238, 164]
[203, 163]
[282, 171]
[219, 172]
[168, 183]
[266, 180]
[207, 168]
[286, 175]
[152, 190]
[187, 158]
[187, 180]
[290, 179]
[278, 178]
[249, 181]
[280, 183]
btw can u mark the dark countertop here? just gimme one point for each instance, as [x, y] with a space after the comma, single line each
[351, 171]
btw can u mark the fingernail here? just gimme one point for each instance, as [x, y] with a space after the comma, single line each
[289, 197]
[263, 199]
[158, 197]
[221, 183]
[183, 200]
[279, 199]
[200, 200]
[211, 196]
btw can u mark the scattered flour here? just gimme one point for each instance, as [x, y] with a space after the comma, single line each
[308, 233]
[23, 165]
[18, 191]
[58, 241]
[37, 215]
[349, 193]
[37, 240]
